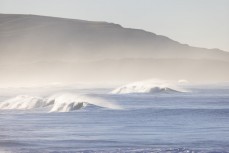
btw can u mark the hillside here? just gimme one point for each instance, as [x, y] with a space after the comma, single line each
[49, 38]
[40, 49]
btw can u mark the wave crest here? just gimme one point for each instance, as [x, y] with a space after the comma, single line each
[148, 87]
[58, 103]
[23, 102]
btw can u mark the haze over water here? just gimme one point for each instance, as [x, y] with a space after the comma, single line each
[114, 76]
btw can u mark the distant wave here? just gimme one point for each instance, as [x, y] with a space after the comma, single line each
[148, 87]
[59, 103]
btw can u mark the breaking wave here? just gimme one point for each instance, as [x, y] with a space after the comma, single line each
[58, 103]
[68, 102]
[23, 102]
[148, 87]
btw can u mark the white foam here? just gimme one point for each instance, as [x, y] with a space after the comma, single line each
[68, 102]
[23, 102]
[64, 102]
[148, 87]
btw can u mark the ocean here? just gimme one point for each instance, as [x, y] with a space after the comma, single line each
[195, 121]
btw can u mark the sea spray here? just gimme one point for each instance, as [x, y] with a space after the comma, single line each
[149, 87]
[62, 102]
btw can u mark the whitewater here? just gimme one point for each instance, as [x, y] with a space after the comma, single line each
[150, 87]
[69, 120]
[63, 102]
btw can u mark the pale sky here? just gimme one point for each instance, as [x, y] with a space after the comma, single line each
[201, 23]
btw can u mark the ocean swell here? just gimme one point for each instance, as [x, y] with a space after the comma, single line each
[64, 102]
[148, 87]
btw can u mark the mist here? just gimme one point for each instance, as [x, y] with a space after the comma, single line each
[39, 50]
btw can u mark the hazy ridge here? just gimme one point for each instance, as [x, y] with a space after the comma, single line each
[44, 49]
